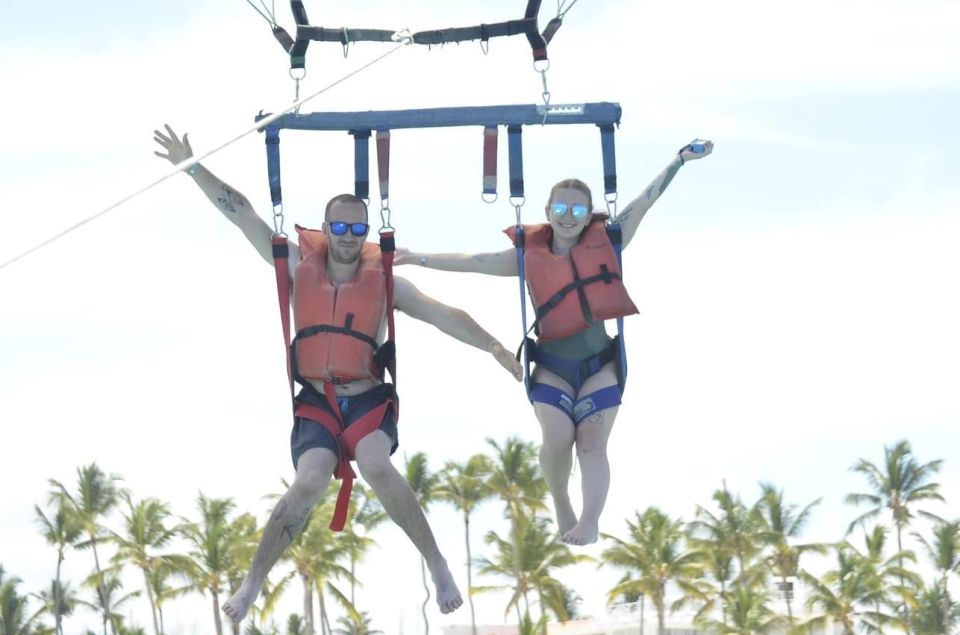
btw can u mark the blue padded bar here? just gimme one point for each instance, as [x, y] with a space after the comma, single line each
[601, 113]
[273, 165]
[515, 147]
[609, 159]
[361, 163]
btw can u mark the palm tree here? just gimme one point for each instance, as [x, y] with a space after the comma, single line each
[349, 626]
[847, 596]
[14, 619]
[540, 556]
[62, 529]
[655, 553]
[210, 539]
[899, 485]
[936, 613]
[748, 609]
[735, 528]
[368, 514]
[780, 525]
[515, 479]
[883, 579]
[108, 599]
[464, 485]
[161, 588]
[424, 483]
[144, 532]
[716, 557]
[294, 625]
[244, 536]
[944, 553]
[59, 602]
[95, 497]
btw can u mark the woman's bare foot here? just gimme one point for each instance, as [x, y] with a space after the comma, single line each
[448, 595]
[566, 518]
[237, 606]
[583, 533]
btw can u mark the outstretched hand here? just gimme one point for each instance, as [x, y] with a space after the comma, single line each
[403, 256]
[508, 360]
[177, 149]
[687, 152]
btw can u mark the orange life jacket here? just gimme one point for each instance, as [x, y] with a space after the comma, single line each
[337, 326]
[574, 291]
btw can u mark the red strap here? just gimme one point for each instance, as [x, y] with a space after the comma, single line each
[383, 162]
[281, 265]
[490, 159]
[346, 474]
[387, 252]
[346, 444]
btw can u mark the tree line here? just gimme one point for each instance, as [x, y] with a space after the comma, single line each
[737, 566]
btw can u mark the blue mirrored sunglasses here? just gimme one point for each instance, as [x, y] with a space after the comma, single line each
[339, 228]
[579, 210]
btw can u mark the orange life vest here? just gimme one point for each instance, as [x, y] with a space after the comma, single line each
[337, 326]
[572, 292]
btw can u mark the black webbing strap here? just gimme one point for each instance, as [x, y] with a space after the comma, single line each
[615, 234]
[361, 163]
[515, 155]
[482, 32]
[386, 357]
[298, 52]
[605, 276]
[537, 42]
[341, 330]
[527, 25]
[344, 35]
[283, 37]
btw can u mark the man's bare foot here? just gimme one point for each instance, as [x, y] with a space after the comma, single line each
[237, 606]
[448, 595]
[583, 533]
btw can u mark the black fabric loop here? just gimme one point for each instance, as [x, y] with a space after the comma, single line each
[329, 328]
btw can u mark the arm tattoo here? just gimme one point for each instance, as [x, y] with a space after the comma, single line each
[662, 181]
[230, 200]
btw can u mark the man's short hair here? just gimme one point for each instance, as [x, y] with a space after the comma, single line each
[345, 198]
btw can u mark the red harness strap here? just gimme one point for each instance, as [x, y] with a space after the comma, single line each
[346, 438]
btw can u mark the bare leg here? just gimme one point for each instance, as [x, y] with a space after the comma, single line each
[399, 501]
[314, 470]
[556, 452]
[592, 435]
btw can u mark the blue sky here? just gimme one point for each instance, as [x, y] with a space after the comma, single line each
[797, 288]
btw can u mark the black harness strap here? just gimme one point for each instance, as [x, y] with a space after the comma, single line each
[605, 276]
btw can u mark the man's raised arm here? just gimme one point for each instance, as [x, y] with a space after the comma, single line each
[234, 205]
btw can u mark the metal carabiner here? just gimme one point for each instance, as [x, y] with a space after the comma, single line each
[278, 221]
[611, 200]
[517, 202]
[385, 224]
